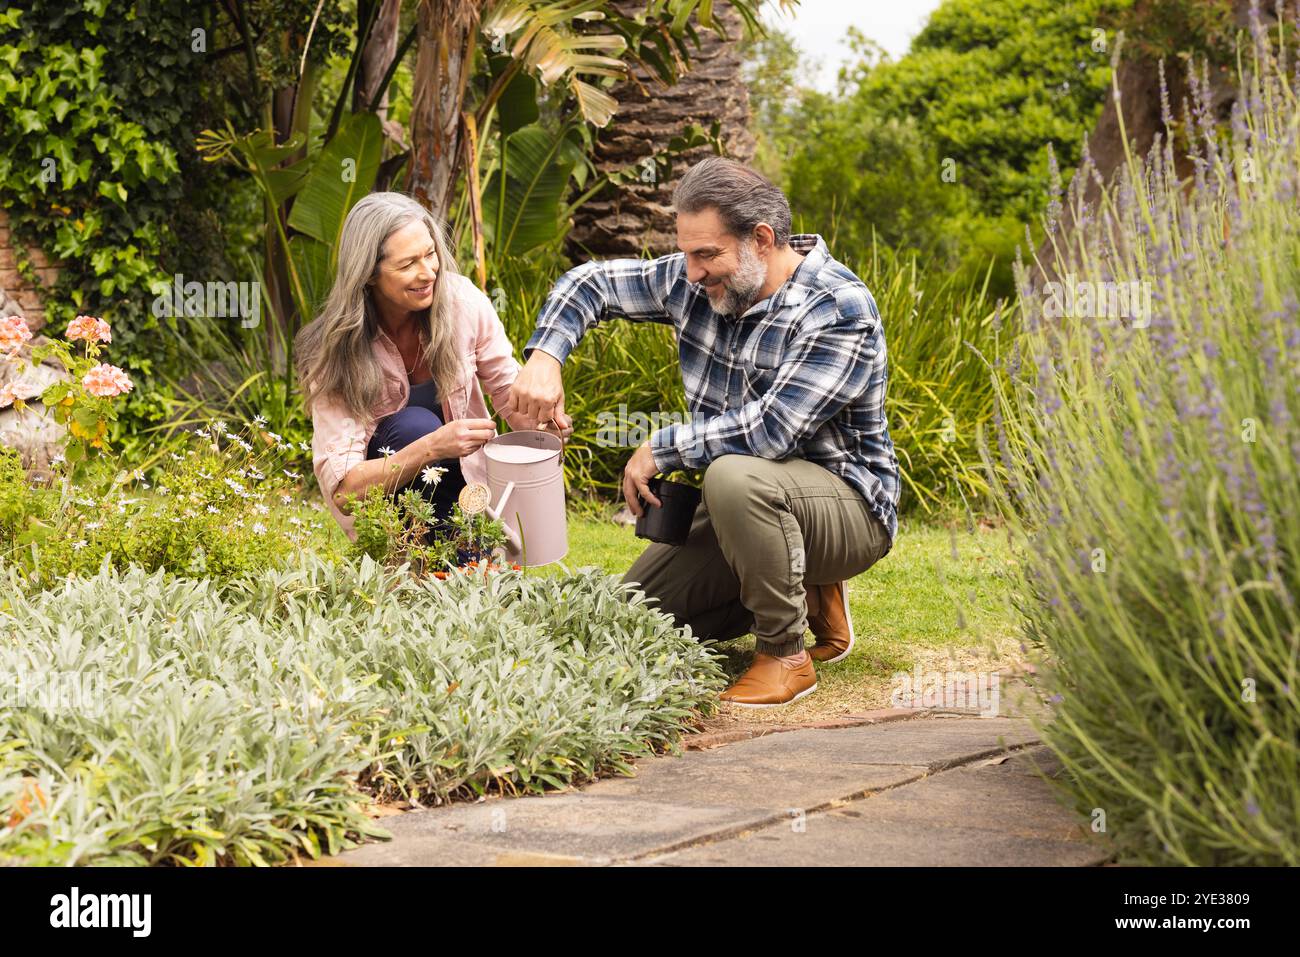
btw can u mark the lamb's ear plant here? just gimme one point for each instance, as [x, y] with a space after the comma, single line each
[168, 720]
[1150, 458]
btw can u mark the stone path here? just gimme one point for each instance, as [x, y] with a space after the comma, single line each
[928, 790]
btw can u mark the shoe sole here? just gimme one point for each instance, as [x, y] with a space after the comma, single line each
[779, 704]
[848, 617]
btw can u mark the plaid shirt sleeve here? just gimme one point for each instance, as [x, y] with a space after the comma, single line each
[636, 289]
[827, 364]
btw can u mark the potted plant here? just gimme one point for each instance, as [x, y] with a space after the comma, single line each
[670, 522]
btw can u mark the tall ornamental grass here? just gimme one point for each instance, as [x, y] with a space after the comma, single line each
[1151, 480]
[152, 719]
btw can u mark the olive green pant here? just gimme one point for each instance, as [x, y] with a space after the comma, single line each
[762, 531]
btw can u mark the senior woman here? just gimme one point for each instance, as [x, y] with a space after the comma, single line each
[395, 365]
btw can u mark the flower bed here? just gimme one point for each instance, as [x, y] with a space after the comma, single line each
[169, 720]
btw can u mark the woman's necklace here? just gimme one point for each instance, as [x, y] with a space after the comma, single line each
[418, 352]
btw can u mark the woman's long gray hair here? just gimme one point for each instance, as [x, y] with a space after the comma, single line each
[333, 354]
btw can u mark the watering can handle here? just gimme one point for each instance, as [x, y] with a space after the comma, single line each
[564, 444]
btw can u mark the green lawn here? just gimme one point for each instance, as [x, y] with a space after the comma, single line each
[940, 599]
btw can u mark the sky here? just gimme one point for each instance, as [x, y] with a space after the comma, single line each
[819, 27]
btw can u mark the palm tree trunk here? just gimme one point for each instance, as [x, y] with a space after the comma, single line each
[446, 40]
[625, 220]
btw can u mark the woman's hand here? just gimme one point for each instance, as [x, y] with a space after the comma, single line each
[460, 437]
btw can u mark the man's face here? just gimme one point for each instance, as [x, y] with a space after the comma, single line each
[730, 269]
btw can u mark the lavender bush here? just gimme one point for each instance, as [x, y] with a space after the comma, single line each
[1150, 444]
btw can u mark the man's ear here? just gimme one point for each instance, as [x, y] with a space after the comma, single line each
[765, 237]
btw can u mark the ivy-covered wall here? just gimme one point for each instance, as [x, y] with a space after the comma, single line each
[101, 102]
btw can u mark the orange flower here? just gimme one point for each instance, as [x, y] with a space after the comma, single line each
[23, 803]
[106, 380]
[90, 329]
[13, 333]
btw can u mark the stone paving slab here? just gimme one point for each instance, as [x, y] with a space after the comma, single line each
[986, 814]
[574, 827]
[838, 839]
[690, 808]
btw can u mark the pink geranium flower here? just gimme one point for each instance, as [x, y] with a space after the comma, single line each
[13, 333]
[90, 329]
[106, 380]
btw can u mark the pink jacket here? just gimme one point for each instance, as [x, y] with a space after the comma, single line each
[339, 442]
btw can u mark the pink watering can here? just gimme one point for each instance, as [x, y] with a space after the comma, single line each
[526, 480]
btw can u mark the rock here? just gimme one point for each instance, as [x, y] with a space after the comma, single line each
[32, 431]
[624, 517]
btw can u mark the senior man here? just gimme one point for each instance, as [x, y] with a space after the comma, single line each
[783, 361]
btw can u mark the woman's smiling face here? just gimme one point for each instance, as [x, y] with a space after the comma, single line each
[407, 270]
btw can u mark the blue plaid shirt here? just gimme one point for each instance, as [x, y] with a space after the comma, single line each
[802, 373]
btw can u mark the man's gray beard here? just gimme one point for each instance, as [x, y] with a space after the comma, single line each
[741, 289]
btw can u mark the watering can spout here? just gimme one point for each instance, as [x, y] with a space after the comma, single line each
[512, 537]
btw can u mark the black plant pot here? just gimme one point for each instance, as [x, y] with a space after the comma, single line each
[669, 523]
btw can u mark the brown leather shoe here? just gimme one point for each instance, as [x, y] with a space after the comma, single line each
[830, 622]
[769, 684]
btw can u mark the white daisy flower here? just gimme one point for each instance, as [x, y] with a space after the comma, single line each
[286, 499]
[432, 474]
[291, 473]
[91, 526]
[258, 528]
[79, 545]
[259, 419]
[261, 509]
[213, 510]
[219, 427]
[386, 451]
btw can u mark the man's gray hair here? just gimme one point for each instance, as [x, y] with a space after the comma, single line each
[743, 197]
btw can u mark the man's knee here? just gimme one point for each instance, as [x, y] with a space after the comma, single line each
[736, 485]
[728, 476]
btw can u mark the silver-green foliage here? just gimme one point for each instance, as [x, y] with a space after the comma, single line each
[1150, 464]
[246, 723]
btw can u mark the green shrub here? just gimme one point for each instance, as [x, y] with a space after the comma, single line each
[403, 529]
[222, 506]
[167, 720]
[1151, 481]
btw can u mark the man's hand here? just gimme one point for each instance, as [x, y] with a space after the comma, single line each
[538, 391]
[637, 473]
